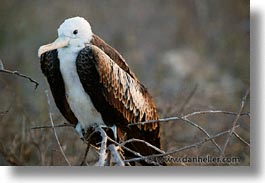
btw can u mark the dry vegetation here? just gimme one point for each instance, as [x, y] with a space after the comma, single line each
[192, 56]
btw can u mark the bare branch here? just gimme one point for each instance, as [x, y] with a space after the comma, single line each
[203, 131]
[55, 126]
[234, 122]
[84, 158]
[142, 141]
[115, 155]
[125, 148]
[183, 119]
[214, 111]
[240, 138]
[3, 70]
[129, 150]
[103, 147]
[180, 149]
[54, 131]
[175, 118]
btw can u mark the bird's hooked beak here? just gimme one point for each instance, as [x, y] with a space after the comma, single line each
[58, 43]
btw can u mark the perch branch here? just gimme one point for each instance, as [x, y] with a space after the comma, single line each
[103, 147]
[3, 70]
[125, 148]
[234, 122]
[115, 155]
[129, 150]
[54, 131]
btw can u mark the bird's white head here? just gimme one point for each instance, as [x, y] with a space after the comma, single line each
[73, 33]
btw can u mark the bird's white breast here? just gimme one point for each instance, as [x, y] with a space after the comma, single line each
[79, 101]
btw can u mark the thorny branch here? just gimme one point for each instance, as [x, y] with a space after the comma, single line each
[3, 70]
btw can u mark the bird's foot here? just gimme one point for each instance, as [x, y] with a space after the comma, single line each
[113, 129]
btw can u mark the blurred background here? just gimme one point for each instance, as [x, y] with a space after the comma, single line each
[191, 55]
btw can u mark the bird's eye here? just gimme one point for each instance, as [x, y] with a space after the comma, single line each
[75, 31]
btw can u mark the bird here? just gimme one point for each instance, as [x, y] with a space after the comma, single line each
[92, 86]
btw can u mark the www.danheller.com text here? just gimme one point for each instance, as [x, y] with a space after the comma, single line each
[197, 159]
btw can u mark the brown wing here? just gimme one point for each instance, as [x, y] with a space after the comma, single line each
[119, 89]
[118, 97]
[50, 67]
[113, 54]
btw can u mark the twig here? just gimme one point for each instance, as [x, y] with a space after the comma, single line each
[54, 131]
[240, 138]
[3, 70]
[130, 150]
[84, 158]
[87, 139]
[182, 148]
[122, 145]
[183, 119]
[103, 147]
[144, 142]
[125, 148]
[175, 118]
[203, 131]
[214, 111]
[116, 158]
[161, 120]
[55, 126]
[234, 122]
